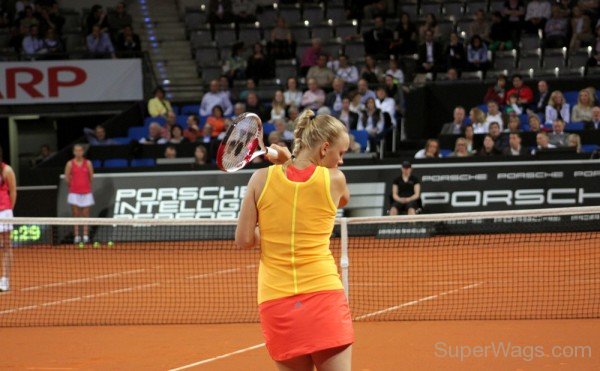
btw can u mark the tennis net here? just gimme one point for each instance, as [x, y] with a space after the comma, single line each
[536, 264]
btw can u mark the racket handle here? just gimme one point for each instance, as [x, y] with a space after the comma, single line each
[272, 152]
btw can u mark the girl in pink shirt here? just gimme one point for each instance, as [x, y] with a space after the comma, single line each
[78, 175]
[8, 197]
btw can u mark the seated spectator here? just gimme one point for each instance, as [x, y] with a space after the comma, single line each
[394, 91]
[192, 132]
[224, 87]
[52, 18]
[97, 17]
[253, 105]
[582, 111]
[53, 44]
[244, 11]
[543, 143]
[355, 103]
[99, 44]
[207, 136]
[347, 116]
[333, 99]
[496, 135]
[363, 91]
[497, 93]
[487, 149]
[346, 71]
[395, 71]
[250, 87]
[293, 113]
[159, 105]
[406, 41]
[370, 71]
[281, 45]
[451, 74]
[455, 53]
[594, 124]
[456, 126]
[514, 146]
[477, 55]
[220, 11]
[406, 192]
[154, 135]
[431, 150]
[469, 135]
[574, 140]
[594, 60]
[536, 16]
[500, 34]
[514, 124]
[430, 55]
[535, 125]
[478, 121]
[375, 122]
[177, 135]
[214, 98]
[513, 107]
[281, 129]
[260, 66]
[514, 11]
[557, 108]
[216, 121]
[97, 137]
[44, 154]
[430, 24]
[494, 114]
[460, 149]
[238, 109]
[274, 138]
[524, 92]
[310, 56]
[378, 40]
[480, 26]
[119, 19]
[277, 107]
[292, 96]
[28, 18]
[556, 30]
[540, 101]
[171, 152]
[235, 65]
[385, 103]
[128, 41]
[558, 137]
[169, 123]
[581, 27]
[314, 97]
[321, 73]
[200, 156]
[32, 44]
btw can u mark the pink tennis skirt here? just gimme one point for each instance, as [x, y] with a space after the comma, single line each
[307, 323]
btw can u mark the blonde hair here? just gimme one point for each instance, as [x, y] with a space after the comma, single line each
[554, 94]
[311, 130]
[479, 115]
[590, 103]
[577, 139]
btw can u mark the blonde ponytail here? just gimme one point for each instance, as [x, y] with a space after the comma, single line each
[312, 130]
[302, 123]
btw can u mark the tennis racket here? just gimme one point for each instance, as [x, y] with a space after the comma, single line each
[243, 143]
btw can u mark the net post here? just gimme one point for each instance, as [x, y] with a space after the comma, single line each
[344, 261]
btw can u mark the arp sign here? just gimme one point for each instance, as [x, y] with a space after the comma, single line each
[40, 83]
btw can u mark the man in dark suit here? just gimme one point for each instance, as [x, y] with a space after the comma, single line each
[430, 55]
[377, 41]
[456, 126]
[514, 146]
[333, 99]
[541, 97]
[595, 123]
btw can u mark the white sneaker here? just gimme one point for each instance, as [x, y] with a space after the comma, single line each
[3, 284]
[86, 239]
[77, 239]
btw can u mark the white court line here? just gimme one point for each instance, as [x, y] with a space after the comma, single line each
[226, 355]
[82, 280]
[414, 302]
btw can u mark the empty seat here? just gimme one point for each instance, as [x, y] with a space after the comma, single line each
[571, 97]
[181, 120]
[300, 32]
[346, 29]
[473, 6]
[121, 140]
[578, 59]
[505, 60]
[96, 164]
[355, 50]
[283, 72]
[554, 58]
[268, 16]
[411, 9]
[211, 72]
[251, 34]
[529, 42]
[190, 109]
[143, 162]
[268, 128]
[428, 7]
[446, 27]
[589, 148]
[332, 48]
[137, 132]
[313, 13]
[323, 31]
[453, 8]
[225, 34]
[291, 13]
[194, 20]
[116, 162]
[574, 126]
[159, 119]
[336, 13]
[201, 38]
[529, 60]
[361, 137]
[207, 55]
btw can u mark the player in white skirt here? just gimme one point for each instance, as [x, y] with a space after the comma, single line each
[8, 198]
[78, 175]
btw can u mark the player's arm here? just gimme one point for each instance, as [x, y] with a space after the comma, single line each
[246, 233]
[91, 171]
[68, 172]
[417, 192]
[11, 181]
[339, 189]
[283, 155]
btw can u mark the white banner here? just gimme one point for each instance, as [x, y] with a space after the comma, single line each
[105, 80]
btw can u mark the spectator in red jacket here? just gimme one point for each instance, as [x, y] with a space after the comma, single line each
[523, 92]
[497, 93]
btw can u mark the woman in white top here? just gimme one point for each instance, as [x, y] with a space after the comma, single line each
[582, 111]
[494, 114]
[480, 126]
[431, 150]
[292, 96]
[395, 72]
[278, 107]
[557, 108]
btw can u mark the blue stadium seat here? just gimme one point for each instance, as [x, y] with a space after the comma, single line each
[268, 128]
[361, 137]
[122, 140]
[175, 109]
[96, 163]
[159, 119]
[588, 148]
[191, 109]
[523, 120]
[571, 97]
[202, 121]
[141, 162]
[182, 120]
[445, 152]
[137, 132]
[116, 162]
[574, 126]
[483, 107]
[525, 127]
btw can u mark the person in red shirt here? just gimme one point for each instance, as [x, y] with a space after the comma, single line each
[8, 198]
[78, 175]
[523, 92]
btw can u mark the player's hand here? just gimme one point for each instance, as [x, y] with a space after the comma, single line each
[283, 155]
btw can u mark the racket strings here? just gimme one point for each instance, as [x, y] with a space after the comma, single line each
[241, 144]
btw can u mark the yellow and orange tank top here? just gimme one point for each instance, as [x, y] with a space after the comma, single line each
[296, 220]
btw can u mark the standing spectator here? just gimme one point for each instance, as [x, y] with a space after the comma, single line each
[430, 24]
[594, 124]
[487, 149]
[244, 11]
[514, 11]
[346, 71]
[556, 30]
[574, 141]
[371, 72]
[99, 44]
[500, 34]
[541, 98]
[395, 71]
[536, 16]
[406, 40]
[430, 55]
[333, 100]
[480, 26]
[460, 148]
[97, 137]
[394, 91]
[128, 41]
[79, 173]
[213, 98]
[259, 65]
[385, 104]
[456, 126]
[581, 29]
[320, 73]
[278, 107]
[455, 53]
[51, 18]
[364, 92]
[170, 152]
[349, 118]
[159, 105]
[514, 146]
[493, 114]
[477, 54]
[32, 44]
[497, 93]
[220, 11]
[406, 192]
[523, 92]
[431, 150]
[235, 65]
[193, 131]
[292, 96]
[557, 108]
[281, 45]
[478, 122]
[119, 19]
[97, 17]
[314, 97]
[378, 40]
[177, 135]
[375, 122]
[154, 135]
[558, 137]
[310, 56]
[543, 143]
[582, 111]
[216, 121]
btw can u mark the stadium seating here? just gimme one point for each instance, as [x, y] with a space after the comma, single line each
[361, 137]
[141, 162]
[116, 162]
[137, 132]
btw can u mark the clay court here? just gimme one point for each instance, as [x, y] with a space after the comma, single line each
[418, 304]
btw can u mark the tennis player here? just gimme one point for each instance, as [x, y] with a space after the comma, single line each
[78, 175]
[8, 198]
[304, 312]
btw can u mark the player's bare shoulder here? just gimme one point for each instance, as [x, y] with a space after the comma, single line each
[337, 176]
